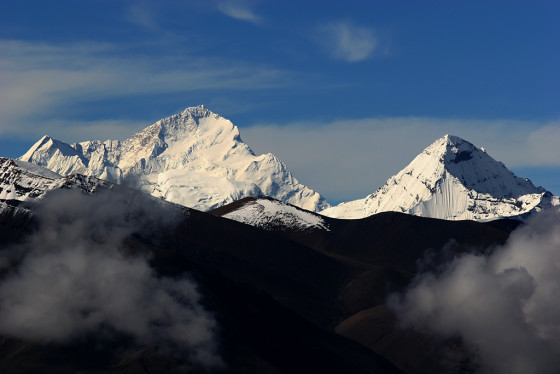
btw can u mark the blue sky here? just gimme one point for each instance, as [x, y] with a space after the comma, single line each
[346, 93]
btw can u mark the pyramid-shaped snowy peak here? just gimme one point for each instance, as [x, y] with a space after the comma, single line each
[451, 179]
[195, 158]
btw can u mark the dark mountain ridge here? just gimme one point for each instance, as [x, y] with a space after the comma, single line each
[286, 300]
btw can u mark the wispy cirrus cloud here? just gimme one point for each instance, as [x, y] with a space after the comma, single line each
[239, 10]
[41, 82]
[347, 41]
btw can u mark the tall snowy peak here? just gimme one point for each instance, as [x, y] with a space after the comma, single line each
[195, 158]
[451, 179]
[476, 169]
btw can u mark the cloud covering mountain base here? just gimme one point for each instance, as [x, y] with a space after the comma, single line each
[72, 278]
[505, 306]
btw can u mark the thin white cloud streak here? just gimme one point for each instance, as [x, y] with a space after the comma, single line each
[39, 80]
[347, 41]
[239, 11]
[349, 159]
[506, 305]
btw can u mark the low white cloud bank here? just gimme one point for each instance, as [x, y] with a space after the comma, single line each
[505, 306]
[71, 278]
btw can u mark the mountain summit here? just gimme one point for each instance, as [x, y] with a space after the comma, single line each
[195, 158]
[451, 179]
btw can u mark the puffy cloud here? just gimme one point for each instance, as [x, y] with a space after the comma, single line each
[72, 278]
[505, 306]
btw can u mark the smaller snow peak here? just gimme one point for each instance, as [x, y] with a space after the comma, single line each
[48, 146]
[271, 214]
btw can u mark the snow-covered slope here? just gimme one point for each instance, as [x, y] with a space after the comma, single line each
[22, 181]
[195, 158]
[451, 179]
[273, 214]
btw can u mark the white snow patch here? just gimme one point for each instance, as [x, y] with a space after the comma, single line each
[266, 213]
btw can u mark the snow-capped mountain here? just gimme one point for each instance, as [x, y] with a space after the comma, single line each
[23, 181]
[451, 179]
[272, 214]
[195, 158]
